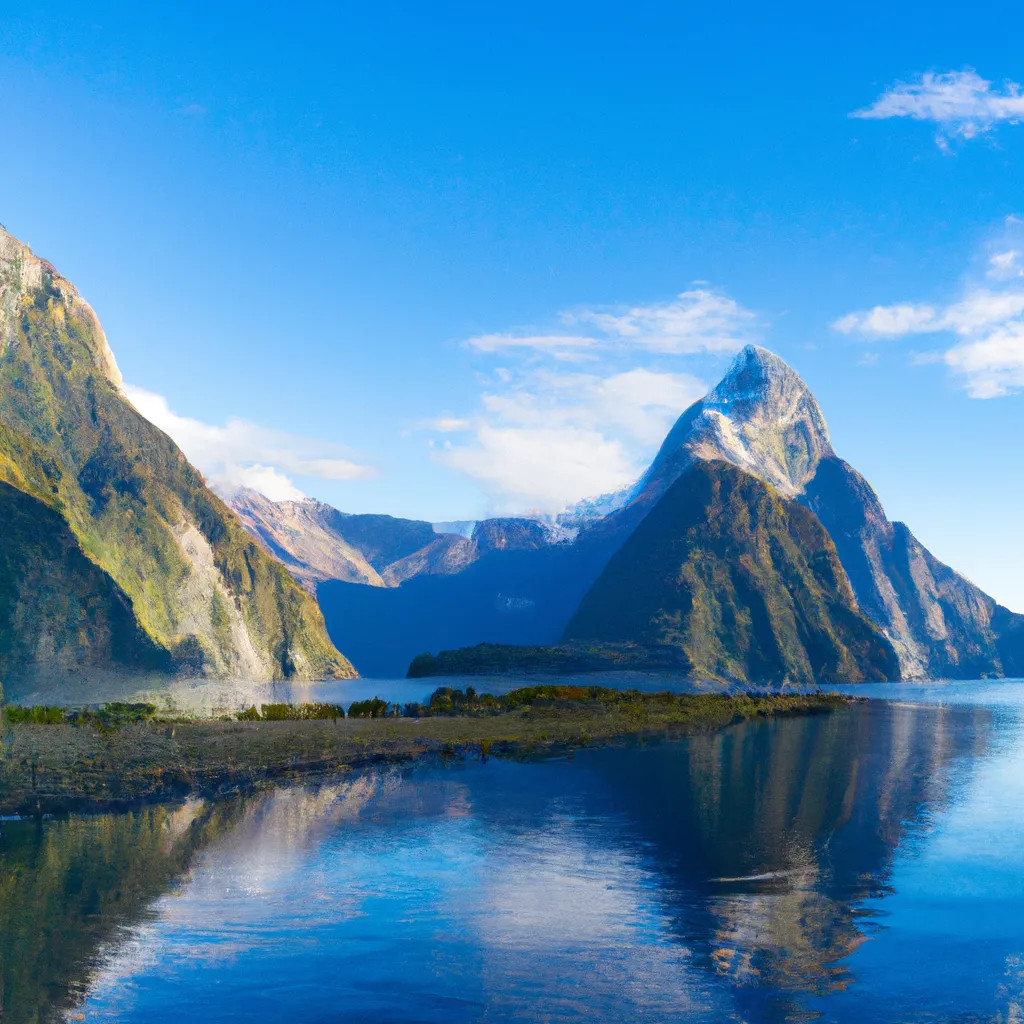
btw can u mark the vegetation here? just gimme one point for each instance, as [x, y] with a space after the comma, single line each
[563, 659]
[292, 713]
[743, 584]
[138, 563]
[69, 888]
[373, 708]
[134, 757]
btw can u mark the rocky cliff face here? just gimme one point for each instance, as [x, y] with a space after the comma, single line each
[301, 534]
[744, 582]
[163, 549]
[318, 543]
[941, 624]
[763, 419]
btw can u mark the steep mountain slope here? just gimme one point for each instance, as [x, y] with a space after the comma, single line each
[318, 543]
[941, 624]
[763, 419]
[745, 583]
[196, 585]
[504, 597]
[301, 535]
[58, 610]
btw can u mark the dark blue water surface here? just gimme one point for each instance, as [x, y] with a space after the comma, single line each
[866, 865]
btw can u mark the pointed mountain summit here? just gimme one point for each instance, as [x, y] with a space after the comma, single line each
[761, 417]
[118, 555]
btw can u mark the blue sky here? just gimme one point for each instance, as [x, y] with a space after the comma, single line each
[331, 244]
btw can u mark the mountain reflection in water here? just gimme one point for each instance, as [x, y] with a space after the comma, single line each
[778, 870]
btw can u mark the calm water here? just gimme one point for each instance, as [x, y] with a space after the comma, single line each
[218, 696]
[861, 866]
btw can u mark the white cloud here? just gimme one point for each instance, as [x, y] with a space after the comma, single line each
[697, 320]
[561, 346]
[243, 454]
[992, 365]
[578, 412]
[987, 320]
[961, 103]
[542, 468]
[889, 321]
[1003, 266]
[449, 424]
[552, 438]
[979, 309]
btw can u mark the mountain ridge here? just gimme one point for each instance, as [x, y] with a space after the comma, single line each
[197, 585]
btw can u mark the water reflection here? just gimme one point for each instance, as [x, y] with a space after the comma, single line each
[774, 871]
[786, 828]
[68, 888]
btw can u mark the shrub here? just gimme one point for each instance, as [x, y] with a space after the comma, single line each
[279, 712]
[293, 712]
[374, 708]
[318, 710]
[38, 715]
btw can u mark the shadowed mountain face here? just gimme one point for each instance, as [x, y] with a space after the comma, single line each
[747, 584]
[523, 596]
[318, 543]
[941, 624]
[138, 556]
[51, 595]
[763, 419]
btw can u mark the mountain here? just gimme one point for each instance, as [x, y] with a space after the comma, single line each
[509, 579]
[122, 557]
[940, 623]
[302, 536]
[318, 543]
[505, 596]
[763, 419]
[744, 582]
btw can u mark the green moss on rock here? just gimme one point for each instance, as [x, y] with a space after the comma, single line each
[197, 586]
[744, 583]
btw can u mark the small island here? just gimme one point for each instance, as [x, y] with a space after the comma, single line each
[559, 660]
[124, 755]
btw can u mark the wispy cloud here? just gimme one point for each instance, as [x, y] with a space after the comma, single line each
[961, 103]
[561, 346]
[242, 454]
[698, 320]
[449, 424]
[547, 437]
[987, 320]
[579, 411]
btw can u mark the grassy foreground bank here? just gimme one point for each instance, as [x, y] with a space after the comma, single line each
[50, 768]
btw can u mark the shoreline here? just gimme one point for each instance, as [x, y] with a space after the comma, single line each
[63, 768]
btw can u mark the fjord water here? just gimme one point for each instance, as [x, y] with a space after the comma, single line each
[866, 865]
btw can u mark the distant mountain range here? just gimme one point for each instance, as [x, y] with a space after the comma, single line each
[114, 555]
[748, 547]
[748, 551]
